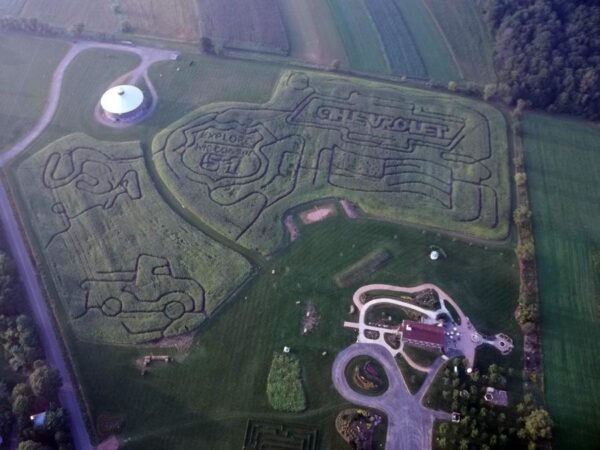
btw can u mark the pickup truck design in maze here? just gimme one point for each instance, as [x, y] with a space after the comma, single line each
[240, 166]
[147, 299]
[125, 267]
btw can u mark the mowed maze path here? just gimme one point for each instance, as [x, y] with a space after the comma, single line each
[563, 159]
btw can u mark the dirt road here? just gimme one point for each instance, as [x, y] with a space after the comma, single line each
[18, 246]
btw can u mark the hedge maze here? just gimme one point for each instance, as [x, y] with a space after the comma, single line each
[98, 179]
[126, 268]
[261, 435]
[400, 154]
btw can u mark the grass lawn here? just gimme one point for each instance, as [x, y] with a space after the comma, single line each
[200, 79]
[462, 23]
[431, 44]
[563, 159]
[26, 66]
[205, 401]
[414, 378]
[359, 35]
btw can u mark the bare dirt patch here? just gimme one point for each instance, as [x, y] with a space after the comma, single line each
[292, 228]
[350, 209]
[317, 214]
[110, 443]
[310, 318]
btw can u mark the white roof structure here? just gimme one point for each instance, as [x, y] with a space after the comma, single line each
[434, 255]
[122, 99]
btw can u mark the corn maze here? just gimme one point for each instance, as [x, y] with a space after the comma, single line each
[262, 435]
[400, 154]
[126, 268]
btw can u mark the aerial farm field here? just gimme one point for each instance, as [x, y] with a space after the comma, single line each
[230, 24]
[178, 21]
[438, 56]
[191, 402]
[468, 37]
[88, 194]
[168, 237]
[396, 153]
[311, 32]
[563, 159]
[25, 73]
[400, 48]
[96, 16]
[200, 79]
[362, 42]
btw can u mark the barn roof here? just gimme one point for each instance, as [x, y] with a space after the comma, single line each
[422, 332]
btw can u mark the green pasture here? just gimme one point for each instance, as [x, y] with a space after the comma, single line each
[563, 162]
[421, 356]
[26, 67]
[359, 35]
[204, 400]
[462, 24]
[106, 233]
[292, 156]
[400, 48]
[199, 80]
[429, 40]
[84, 82]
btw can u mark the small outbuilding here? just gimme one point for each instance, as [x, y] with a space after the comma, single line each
[496, 396]
[38, 420]
[122, 103]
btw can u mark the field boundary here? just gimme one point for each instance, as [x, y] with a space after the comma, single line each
[446, 42]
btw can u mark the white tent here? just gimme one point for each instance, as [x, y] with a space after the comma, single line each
[122, 99]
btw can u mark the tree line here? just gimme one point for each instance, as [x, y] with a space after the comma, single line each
[32, 386]
[547, 53]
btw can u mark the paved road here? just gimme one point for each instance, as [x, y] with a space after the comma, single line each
[42, 316]
[410, 424]
[18, 246]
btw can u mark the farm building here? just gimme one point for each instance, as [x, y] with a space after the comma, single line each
[422, 335]
[122, 103]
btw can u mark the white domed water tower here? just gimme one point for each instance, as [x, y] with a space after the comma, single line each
[123, 103]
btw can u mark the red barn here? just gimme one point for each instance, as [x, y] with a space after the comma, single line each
[422, 334]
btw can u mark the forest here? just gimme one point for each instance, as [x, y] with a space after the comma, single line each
[547, 53]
